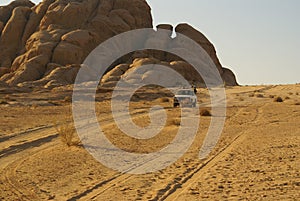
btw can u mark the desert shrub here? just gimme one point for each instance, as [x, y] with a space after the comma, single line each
[176, 122]
[287, 98]
[66, 133]
[251, 95]
[259, 95]
[241, 99]
[297, 103]
[205, 112]
[278, 99]
[297, 93]
[271, 96]
[290, 93]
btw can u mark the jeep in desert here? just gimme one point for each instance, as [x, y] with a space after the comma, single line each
[185, 97]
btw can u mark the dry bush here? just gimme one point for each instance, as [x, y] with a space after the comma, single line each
[297, 93]
[297, 103]
[259, 95]
[66, 132]
[271, 96]
[287, 98]
[251, 95]
[278, 99]
[290, 93]
[205, 112]
[241, 99]
[176, 122]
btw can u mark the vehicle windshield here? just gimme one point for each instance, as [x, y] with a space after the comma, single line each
[185, 92]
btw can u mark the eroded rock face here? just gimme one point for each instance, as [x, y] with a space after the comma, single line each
[44, 44]
[6, 11]
[197, 36]
[61, 32]
[12, 33]
[133, 74]
[4, 70]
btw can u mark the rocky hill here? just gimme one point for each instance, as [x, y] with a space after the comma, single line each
[44, 44]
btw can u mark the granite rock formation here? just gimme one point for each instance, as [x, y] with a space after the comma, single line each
[44, 44]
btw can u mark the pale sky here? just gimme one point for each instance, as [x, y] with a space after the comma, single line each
[258, 39]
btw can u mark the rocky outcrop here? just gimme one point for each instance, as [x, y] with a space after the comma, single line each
[175, 62]
[6, 11]
[61, 32]
[4, 70]
[197, 36]
[134, 74]
[44, 44]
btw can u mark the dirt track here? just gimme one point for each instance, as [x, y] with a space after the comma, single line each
[256, 158]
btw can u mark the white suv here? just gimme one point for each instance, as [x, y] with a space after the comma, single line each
[185, 97]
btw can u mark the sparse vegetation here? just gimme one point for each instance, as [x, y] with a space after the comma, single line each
[205, 112]
[251, 95]
[271, 96]
[297, 103]
[278, 99]
[287, 98]
[297, 93]
[241, 99]
[66, 132]
[176, 122]
[259, 95]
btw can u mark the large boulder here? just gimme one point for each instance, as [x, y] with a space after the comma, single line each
[11, 36]
[31, 70]
[34, 19]
[6, 11]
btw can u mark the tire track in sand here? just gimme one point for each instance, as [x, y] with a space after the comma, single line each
[173, 191]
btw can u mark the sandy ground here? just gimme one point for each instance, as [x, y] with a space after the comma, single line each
[256, 158]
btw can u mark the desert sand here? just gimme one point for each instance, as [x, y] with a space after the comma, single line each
[256, 158]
